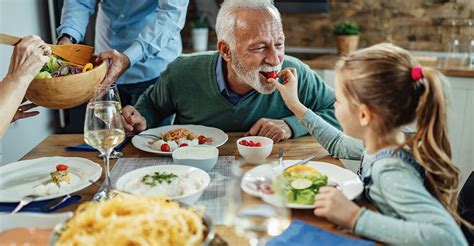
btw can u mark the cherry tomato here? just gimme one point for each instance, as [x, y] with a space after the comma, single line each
[272, 75]
[244, 143]
[183, 144]
[165, 148]
[202, 139]
[251, 143]
[258, 144]
[62, 167]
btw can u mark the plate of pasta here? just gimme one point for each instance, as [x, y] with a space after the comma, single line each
[169, 138]
[135, 220]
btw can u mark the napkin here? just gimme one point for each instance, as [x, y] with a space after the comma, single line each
[301, 233]
[88, 148]
[40, 206]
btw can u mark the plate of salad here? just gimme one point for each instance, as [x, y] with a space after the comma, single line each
[302, 182]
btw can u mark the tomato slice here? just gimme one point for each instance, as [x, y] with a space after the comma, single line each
[62, 167]
[183, 145]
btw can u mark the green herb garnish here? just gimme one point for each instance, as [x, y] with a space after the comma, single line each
[158, 178]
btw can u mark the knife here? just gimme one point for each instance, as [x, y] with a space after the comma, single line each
[302, 162]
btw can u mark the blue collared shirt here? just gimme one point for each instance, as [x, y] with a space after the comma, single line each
[233, 97]
[147, 31]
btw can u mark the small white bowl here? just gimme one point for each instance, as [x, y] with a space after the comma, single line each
[124, 182]
[202, 156]
[255, 155]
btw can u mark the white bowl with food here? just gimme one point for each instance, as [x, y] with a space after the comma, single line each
[181, 183]
[203, 157]
[255, 149]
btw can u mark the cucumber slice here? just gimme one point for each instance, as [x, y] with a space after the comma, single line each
[301, 183]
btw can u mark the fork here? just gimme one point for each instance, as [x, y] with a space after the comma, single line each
[149, 135]
[23, 202]
[280, 158]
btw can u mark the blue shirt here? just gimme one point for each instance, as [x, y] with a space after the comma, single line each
[147, 31]
[231, 96]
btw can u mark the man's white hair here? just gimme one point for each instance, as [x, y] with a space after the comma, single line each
[226, 18]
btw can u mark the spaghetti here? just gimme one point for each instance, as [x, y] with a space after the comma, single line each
[134, 220]
[176, 134]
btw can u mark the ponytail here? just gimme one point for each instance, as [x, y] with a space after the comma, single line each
[430, 144]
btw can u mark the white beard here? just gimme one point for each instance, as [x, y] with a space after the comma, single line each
[252, 77]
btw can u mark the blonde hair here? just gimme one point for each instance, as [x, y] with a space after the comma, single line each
[380, 77]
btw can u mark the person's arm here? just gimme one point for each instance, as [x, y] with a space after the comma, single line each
[169, 21]
[337, 143]
[155, 104]
[75, 17]
[423, 220]
[314, 94]
[27, 59]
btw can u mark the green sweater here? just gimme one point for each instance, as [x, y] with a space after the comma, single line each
[188, 87]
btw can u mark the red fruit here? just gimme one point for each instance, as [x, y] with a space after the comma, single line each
[62, 167]
[183, 144]
[272, 75]
[258, 144]
[251, 143]
[202, 139]
[165, 148]
[244, 143]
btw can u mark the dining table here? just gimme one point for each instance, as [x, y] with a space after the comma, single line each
[294, 149]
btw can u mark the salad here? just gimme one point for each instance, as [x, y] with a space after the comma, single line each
[57, 67]
[303, 183]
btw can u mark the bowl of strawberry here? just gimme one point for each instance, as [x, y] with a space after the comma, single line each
[255, 149]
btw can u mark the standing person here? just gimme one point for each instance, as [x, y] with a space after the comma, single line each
[138, 38]
[28, 57]
[412, 181]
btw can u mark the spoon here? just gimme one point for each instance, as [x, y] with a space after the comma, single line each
[23, 202]
[74, 53]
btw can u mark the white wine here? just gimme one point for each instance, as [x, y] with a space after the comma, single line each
[104, 139]
[106, 111]
[261, 222]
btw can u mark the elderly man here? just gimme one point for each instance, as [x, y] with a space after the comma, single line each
[228, 89]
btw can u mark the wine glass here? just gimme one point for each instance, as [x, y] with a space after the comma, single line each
[103, 130]
[258, 219]
[108, 93]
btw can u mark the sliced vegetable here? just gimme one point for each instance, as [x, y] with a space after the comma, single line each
[62, 167]
[87, 67]
[301, 183]
[43, 75]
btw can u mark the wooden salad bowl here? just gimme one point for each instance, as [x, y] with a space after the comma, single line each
[66, 91]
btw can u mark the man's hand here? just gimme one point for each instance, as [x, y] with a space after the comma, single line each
[64, 40]
[23, 112]
[335, 207]
[133, 121]
[118, 63]
[277, 130]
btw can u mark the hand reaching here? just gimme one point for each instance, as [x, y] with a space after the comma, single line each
[29, 56]
[23, 111]
[289, 91]
[118, 63]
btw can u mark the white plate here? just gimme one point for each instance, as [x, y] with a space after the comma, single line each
[218, 136]
[189, 198]
[32, 220]
[348, 181]
[19, 178]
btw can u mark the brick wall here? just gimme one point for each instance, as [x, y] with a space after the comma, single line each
[412, 24]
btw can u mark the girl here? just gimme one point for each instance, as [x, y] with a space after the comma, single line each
[412, 181]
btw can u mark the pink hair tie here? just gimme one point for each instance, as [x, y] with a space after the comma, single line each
[416, 73]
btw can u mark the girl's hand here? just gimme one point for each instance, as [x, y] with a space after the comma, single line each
[335, 207]
[289, 91]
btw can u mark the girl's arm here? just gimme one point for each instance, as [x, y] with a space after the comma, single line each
[337, 143]
[413, 217]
